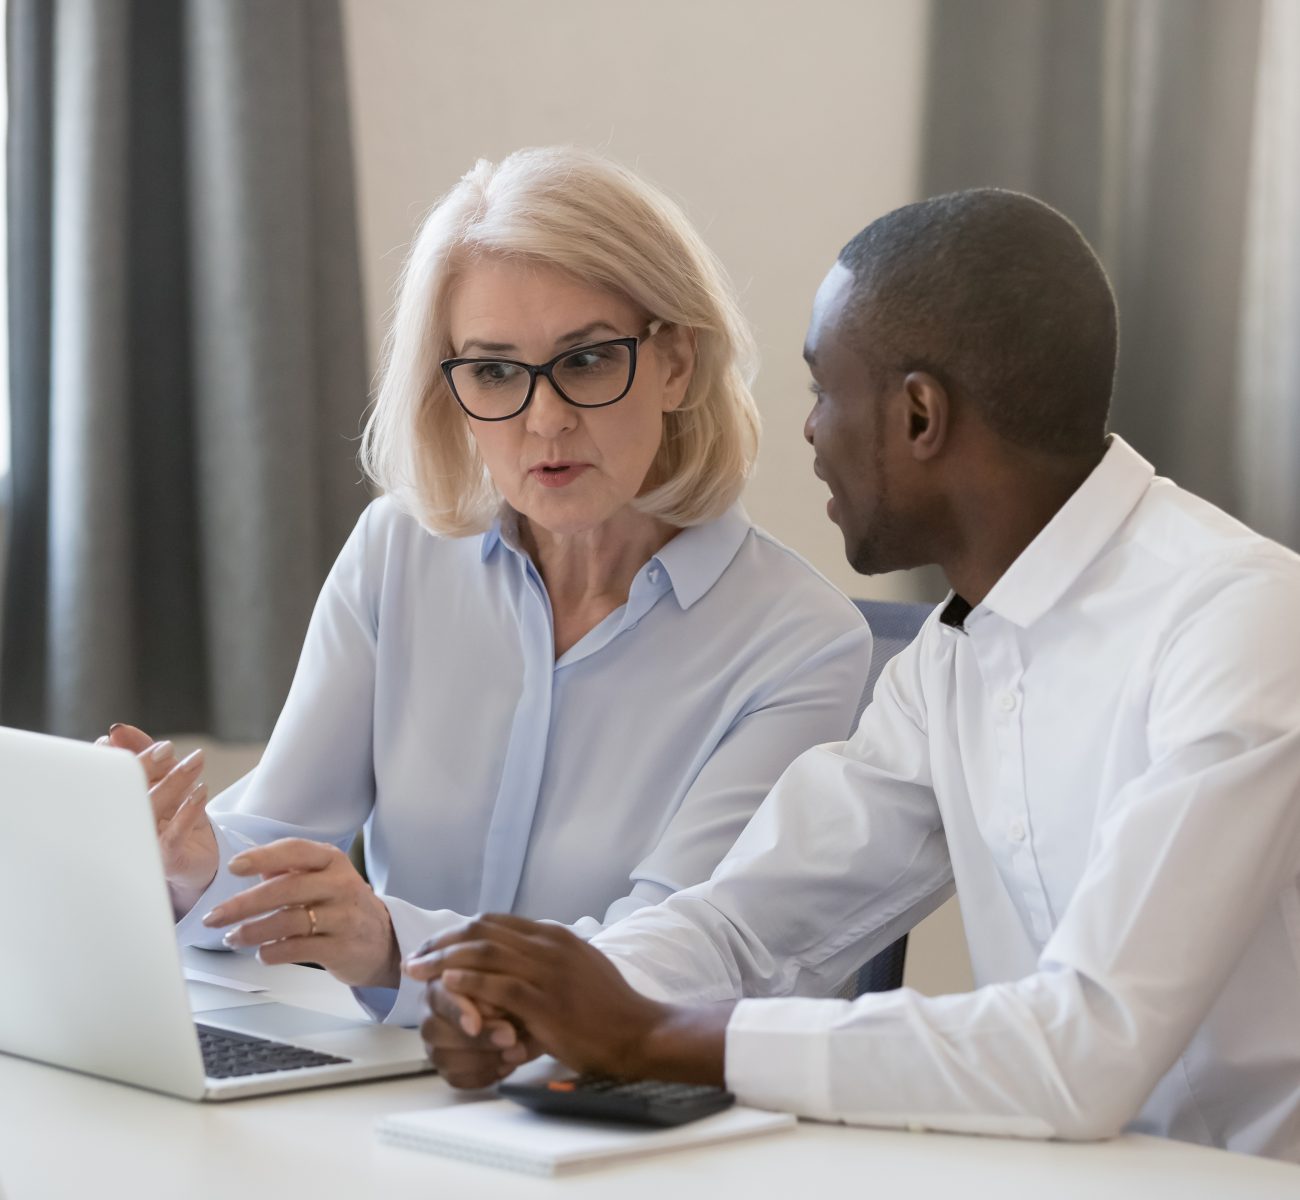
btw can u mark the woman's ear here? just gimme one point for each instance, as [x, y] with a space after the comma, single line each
[676, 347]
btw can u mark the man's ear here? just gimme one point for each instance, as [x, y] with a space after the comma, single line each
[676, 346]
[929, 414]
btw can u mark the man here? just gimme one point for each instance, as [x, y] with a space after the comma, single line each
[1097, 736]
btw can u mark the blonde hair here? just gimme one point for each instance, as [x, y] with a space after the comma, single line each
[577, 211]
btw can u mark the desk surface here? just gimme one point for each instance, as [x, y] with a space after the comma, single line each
[67, 1135]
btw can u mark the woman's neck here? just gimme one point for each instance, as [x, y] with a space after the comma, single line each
[589, 574]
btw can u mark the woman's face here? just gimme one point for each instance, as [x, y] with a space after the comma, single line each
[564, 468]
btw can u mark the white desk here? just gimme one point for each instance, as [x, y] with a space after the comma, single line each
[69, 1136]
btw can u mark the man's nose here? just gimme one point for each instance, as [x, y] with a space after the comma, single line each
[808, 425]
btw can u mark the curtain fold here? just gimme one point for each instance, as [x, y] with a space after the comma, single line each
[185, 288]
[1137, 119]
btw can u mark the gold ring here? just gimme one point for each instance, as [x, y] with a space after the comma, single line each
[311, 914]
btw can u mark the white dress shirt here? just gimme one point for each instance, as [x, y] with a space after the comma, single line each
[429, 706]
[1105, 755]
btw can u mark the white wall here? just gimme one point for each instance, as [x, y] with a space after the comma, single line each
[781, 128]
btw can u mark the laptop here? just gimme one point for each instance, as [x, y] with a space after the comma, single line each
[92, 977]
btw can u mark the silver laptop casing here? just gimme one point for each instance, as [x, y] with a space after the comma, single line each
[91, 977]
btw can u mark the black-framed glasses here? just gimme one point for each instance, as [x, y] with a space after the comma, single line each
[593, 376]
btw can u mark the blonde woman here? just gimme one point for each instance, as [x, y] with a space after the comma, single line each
[555, 668]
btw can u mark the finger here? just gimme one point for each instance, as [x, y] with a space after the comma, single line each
[493, 956]
[300, 888]
[128, 737]
[169, 792]
[516, 996]
[292, 950]
[480, 930]
[438, 1031]
[191, 812]
[287, 923]
[469, 1070]
[288, 854]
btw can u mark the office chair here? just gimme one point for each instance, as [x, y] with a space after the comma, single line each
[893, 626]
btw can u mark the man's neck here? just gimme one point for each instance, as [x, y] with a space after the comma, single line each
[1014, 498]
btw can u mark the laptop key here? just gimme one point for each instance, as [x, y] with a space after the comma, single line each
[229, 1055]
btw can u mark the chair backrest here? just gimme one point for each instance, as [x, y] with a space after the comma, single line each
[893, 626]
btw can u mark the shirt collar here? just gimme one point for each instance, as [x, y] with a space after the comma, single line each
[1071, 540]
[696, 558]
[693, 561]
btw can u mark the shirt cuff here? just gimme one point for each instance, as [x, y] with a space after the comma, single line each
[778, 1054]
[190, 930]
[412, 927]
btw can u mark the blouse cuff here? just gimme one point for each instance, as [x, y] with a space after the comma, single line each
[412, 927]
[190, 930]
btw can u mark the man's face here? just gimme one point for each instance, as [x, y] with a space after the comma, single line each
[847, 430]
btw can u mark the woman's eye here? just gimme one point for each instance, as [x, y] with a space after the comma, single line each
[489, 373]
[586, 360]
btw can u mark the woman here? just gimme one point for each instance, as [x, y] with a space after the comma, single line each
[555, 669]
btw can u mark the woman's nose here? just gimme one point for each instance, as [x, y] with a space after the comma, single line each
[549, 413]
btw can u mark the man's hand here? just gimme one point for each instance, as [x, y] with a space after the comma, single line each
[570, 999]
[471, 1048]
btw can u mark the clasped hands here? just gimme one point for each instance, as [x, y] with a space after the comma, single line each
[503, 989]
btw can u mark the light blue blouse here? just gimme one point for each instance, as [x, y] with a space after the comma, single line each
[489, 775]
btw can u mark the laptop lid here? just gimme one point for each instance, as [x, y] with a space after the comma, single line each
[92, 974]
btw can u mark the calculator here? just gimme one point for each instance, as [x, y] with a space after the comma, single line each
[640, 1102]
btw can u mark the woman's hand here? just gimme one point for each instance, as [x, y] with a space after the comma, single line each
[179, 798]
[311, 906]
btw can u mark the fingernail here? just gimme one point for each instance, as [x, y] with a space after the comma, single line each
[199, 794]
[237, 865]
[160, 751]
[228, 938]
[503, 1037]
[193, 759]
[116, 725]
[514, 1054]
[215, 917]
[467, 1025]
[102, 741]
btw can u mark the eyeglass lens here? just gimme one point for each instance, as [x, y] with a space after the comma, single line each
[591, 376]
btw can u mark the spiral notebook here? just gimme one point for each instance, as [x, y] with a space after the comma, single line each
[500, 1133]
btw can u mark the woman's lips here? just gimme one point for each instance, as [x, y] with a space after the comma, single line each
[557, 475]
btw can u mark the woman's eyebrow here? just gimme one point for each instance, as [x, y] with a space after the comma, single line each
[567, 339]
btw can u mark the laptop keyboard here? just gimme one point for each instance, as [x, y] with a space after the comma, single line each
[227, 1055]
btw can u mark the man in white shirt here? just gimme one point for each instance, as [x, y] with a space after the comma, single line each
[1097, 737]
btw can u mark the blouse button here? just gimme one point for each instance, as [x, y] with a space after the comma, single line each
[653, 575]
[1016, 831]
[1007, 701]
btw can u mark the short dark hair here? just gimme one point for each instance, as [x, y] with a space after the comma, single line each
[1001, 298]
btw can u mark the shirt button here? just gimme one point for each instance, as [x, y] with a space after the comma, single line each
[1016, 831]
[1007, 701]
[653, 575]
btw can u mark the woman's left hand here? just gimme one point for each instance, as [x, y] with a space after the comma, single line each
[311, 906]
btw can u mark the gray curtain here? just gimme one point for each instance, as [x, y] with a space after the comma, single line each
[1138, 119]
[187, 359]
